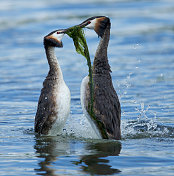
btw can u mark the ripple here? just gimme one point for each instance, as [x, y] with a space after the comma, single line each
[141, 57]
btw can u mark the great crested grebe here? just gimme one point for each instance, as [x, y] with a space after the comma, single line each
[106, 105]
[54, 102]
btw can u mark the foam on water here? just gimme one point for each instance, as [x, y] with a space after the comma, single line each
[79, 126]
[145, 129]
[142, 127]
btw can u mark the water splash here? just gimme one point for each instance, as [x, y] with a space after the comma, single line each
[145, 127]
[79, 127]
[142, 111]
[143, 122]
[124, 85]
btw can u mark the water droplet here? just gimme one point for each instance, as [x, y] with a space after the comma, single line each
[136, 46]
[142, 106]
[125, 92]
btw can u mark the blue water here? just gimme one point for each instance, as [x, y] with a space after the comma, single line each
[141, 55]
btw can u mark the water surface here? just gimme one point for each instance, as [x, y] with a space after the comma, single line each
[141, 55]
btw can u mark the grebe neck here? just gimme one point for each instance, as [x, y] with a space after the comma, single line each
[55, 69]
[101, 64]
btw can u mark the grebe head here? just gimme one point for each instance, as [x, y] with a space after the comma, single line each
[98, 23]
[54, 38]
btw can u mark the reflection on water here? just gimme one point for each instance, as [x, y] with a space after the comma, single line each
[49, 149]
[98, 163]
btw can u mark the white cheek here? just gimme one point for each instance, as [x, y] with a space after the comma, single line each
[58, 36]
[92, 24]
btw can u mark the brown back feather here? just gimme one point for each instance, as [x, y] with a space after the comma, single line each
[46, 111]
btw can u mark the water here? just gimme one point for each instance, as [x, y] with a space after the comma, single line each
[141, 55]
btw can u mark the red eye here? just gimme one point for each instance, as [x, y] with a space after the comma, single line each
[58, 32]
[89, 22]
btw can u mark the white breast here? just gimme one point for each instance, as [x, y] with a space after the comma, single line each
[84, 84]
[63, 106]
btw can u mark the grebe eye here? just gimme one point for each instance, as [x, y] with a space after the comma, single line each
[89, 22]
[58, 32]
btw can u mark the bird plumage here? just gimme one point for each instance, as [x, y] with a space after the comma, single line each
[106, 105]
[54, 102]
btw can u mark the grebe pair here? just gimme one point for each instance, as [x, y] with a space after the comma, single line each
[54, 102]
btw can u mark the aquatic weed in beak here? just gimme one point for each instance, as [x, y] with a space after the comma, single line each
[78, 36]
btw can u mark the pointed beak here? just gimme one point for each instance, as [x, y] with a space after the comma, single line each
[64, 31]
[98, 24]
[83, 24]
